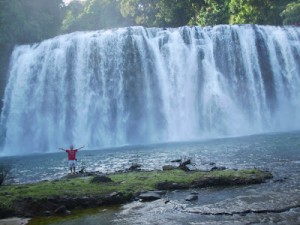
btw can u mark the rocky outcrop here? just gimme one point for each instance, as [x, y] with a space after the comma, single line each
[63, 205]
[29, 207]
[214, 181]
[149, 196]
[192, 197]
[5, 213]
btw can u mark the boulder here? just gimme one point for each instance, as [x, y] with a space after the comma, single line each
[192, 197]
[184, 165]
[135, 167]
[170, 186]
[61, 210]
[218, 168]
[149, 196]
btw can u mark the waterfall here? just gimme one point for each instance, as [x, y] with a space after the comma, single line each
[139, 85]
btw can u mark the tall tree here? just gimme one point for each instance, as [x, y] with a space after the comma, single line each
[277, 6]
[161, 13]
[249, 11]
[213, 12]
[95, 14]
[174, 13]
[291, 14]
[24, 21]
[143, 12]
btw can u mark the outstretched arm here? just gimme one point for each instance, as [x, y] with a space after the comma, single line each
[62, 149]
[81, 147]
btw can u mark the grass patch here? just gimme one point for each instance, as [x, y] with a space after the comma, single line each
[127, 183]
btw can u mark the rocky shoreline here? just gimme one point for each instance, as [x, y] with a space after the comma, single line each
[121, 188]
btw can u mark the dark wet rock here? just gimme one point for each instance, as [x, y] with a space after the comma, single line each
[135, 167]
[192, 197]
[176, 161]
[170, 186]
[101, 179]
[169, 167]
[184, 165]
[29, 207]
[5, 213]
[116, 198]
[47, 213]
[218, 168]
[149, 196]
[280, 180]
[226, 181]
[61, 210]
[215, 181]
[160, 192]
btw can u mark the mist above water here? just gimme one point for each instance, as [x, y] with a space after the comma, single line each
[140, 85]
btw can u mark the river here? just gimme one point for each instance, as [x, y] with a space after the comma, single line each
[274, 202]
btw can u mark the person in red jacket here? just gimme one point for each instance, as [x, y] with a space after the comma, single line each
[72, 157]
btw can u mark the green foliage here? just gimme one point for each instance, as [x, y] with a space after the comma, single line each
[213, 12]
[72, 12]
[249, 11]
[161, 13]
[173, 13]
[29, 20]
[141, 11]
[291, 14]
[277, 6]
[92, 15]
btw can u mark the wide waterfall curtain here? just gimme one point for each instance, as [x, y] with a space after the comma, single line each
[140, 85]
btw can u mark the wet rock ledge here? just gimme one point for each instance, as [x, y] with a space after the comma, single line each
[93, 190]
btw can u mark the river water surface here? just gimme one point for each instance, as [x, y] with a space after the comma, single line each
[274, 202]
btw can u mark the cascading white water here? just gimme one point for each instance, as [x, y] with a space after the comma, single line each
[140, 85]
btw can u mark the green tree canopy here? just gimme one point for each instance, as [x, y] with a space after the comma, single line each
[249, 11]
[291, 14]
[213, 12]
[24, 21]
[93, 15]
[160, 13]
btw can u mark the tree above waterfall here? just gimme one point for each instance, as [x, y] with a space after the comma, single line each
[93, 15]
[291, 14]
[29, 20]
[160, 13]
